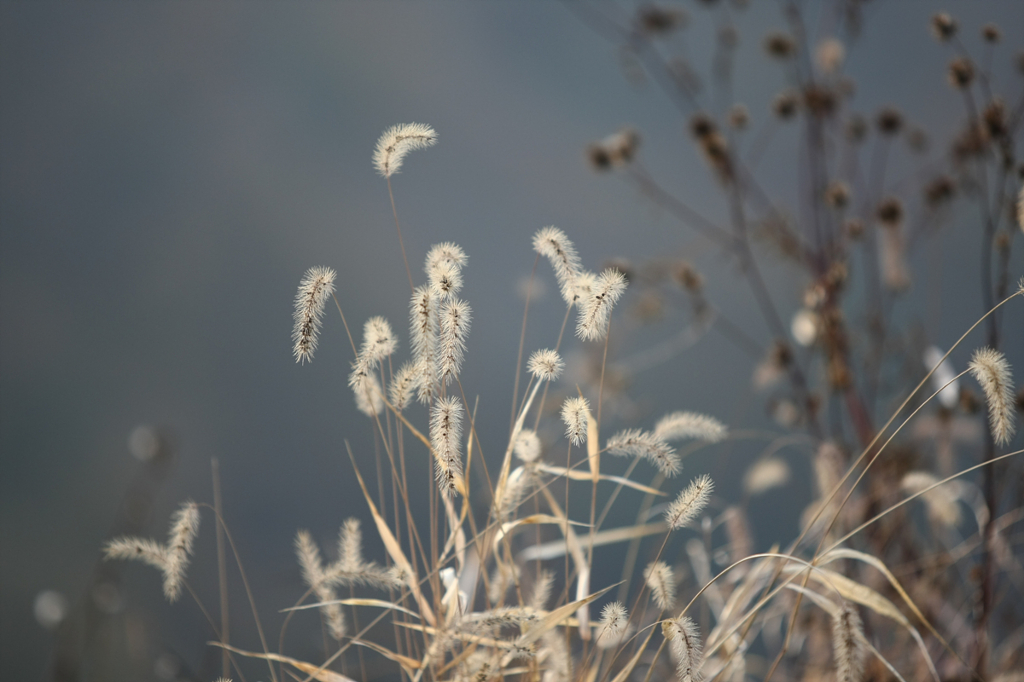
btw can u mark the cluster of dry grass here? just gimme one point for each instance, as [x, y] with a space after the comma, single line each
[886, 577]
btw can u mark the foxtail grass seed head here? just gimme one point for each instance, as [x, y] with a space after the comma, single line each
[690, 502]
[552, 243]
[991, 370]
[662, 582]
[316, 286]
[680, 425]
[378, 341]
[423, 331]
[596, 309]
[574, 415]
[445, 280]
[455, 318]
[367, 391]
[686, 648]
[542, 590]
[173, 558]
[445, 252]
[527, 446]
[396, 142]
[545, 365]
[403, 386]
[612, 626]
[645, 444]
[350, 547]
[445, 434]
[847, 644]
[764, 475]
[314, 575]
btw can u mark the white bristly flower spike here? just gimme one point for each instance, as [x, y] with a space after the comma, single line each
[455, 318]
[545, 365]
[992, 371]
[612, 626]
[527, 446]
[378, 341]
[445, 432]
[445, 252]
[423, 330]
[396, 142]
[662, 583]
[172, 559]
[690, 502]
[574, 414]
[403, 386]
[685, 645]
[315, 288]
[314, 576]
[596, 309]
[679, 425]
[846, 642]
[637, 443]
[764, 475]
[552, 243]
[445, 280]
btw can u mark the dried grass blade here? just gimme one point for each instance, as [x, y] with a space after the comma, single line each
[355, 602]
[553, 550]
[409, 664]
[533, 519]
[624, 674]
[584, 476]
[315, 671]
[593, 447]
[392, 546]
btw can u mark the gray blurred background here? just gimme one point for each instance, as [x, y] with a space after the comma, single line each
[168, 171]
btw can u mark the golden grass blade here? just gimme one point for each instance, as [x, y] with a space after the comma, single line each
[409, 664]
[392, 546]
[553, 550]
[506, 464]
[462, 636]
[584, 476]
[315, 671]
[593, 447]
[533, 519]
[355, 602]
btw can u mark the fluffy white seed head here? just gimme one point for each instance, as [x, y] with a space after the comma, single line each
[680, 425]
[527, 446]
[350, 547]
[662, 582]
[423, 332]
[552, 243]
[378, 341]
[367, 391]
[685, 645]
[847, 644]
[596, 309]
[445, 432]
[403, 386]
[445, 252]
[990, 368]
[637, 443]
[455, 318]
[314, 576]
[545, 365]
[612, 626]
[315, 288]
[764, 475]
[396, 142]
[574, 414]
[445, 280]
[690, 502]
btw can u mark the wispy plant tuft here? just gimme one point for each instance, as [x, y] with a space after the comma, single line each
[680, 425]
[992, 371]
[645, 444]
[455, 318]
[690, 502]
[315, 288]
[686, 648]
[662, 583]
[596, 308]
[445, 431]
[545, 365]
[172, 559]
[846, 642]
[396, 142]
[552, 243]
[574, 414]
